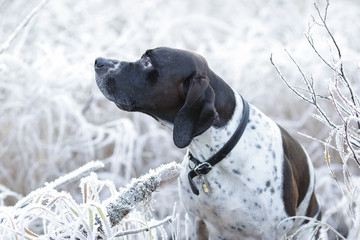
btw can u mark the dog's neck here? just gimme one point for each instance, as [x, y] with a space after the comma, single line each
[225, 101]
[212, 140]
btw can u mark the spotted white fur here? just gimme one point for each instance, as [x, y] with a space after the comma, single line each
[245, 199]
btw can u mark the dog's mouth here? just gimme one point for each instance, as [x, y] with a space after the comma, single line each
[109, 90]
[126, 107]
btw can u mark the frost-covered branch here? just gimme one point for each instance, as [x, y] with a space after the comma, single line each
[146, 229]
[140, 190]
[340, 71]
[292, 88]
[313, 98]
[76, 175]
[341, 117]
[70, 177]
[21, 26]
[346, 109]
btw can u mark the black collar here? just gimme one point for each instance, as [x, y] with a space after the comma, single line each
[202, 168]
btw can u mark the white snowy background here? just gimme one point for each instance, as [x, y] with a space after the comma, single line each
[53, 119]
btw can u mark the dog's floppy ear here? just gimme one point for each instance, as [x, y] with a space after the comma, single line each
[197, 114]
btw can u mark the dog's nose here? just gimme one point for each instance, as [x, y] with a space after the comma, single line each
[101, 62]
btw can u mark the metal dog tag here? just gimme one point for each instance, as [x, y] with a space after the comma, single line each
[204, 186]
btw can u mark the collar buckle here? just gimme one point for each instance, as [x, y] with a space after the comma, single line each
[203, 168]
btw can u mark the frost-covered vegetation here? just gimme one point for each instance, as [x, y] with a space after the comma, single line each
[54, 120]
[48, 214]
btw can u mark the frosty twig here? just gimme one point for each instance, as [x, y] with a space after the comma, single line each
[70, 177]
[139, 190]
[76, 175]
[339, 95]
[21, 26]
[342, 119]
[145, 229]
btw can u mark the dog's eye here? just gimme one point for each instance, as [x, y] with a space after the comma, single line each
[147, 63]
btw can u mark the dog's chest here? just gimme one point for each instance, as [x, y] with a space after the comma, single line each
[245, 189]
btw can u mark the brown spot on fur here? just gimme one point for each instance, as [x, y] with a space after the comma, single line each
[313, 208]
[290, 193]
[202, 231]
[296, 173]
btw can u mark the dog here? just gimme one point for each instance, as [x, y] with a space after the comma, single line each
[244, 176]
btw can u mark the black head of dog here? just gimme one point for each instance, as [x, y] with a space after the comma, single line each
[171, 85]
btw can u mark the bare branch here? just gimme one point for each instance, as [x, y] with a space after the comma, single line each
[347, 102]
[317, 95]
[342, 73]
[310, 87]
[311, 42]
[323, 20]
[349, 143]
[288, 84]
[306, 80]
[335, 103]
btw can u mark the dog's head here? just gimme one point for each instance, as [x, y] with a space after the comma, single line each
[168, 84]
